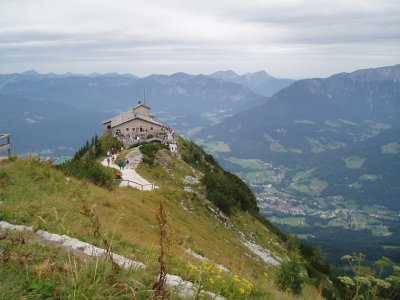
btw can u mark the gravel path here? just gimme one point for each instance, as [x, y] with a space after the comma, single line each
[129, 173]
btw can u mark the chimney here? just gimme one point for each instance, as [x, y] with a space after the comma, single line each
[139, 102]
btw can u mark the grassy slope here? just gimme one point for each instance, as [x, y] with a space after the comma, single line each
[36, 194]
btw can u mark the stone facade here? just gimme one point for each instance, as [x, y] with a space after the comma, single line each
[138, 125]
[136, 122]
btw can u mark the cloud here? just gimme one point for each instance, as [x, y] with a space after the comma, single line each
[289, 38]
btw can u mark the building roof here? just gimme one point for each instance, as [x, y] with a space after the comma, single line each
[129, 116]
[140, 104]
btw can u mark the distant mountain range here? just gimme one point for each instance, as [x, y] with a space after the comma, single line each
[323, 154]
[314, 115]
[183, 101]
[260, 82]
[319, 153]
[47, 127]
[180, 100]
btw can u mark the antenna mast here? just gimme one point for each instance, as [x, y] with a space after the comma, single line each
[144, 97]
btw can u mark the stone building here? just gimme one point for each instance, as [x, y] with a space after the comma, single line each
[138, 122]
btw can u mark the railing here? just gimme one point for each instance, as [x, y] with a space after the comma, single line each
[7, 145]
[137, 183]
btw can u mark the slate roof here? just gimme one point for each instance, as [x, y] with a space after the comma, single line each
[129, 116]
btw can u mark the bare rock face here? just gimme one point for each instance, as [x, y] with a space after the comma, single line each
[135, 157]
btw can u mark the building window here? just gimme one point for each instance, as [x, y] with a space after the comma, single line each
[118, 132]
[141, 129]
[127, 129]
[151, 128]
[133, 129]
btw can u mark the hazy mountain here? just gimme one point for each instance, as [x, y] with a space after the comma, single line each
[30, 75]
[56, 128]
[260, 82]
[367, 171]
[180, 100]
[315, 115]
[323, 157]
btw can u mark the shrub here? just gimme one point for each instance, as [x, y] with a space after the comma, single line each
[4, 179]
[89, 169]
[380, 282]
[84, 166]
[290, 274]
[149, 151]
[228, 192]
[97, 147]
[210, 276]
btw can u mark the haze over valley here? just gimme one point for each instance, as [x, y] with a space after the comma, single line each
[320, 154]
[230, 149]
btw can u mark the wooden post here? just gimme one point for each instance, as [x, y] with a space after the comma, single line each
[9, 148]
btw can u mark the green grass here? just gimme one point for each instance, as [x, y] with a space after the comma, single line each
[193, 131]
[291, 221]
[313, 186]
[391, 148]
[38, 195]
[302, 187]
[390, 247]
[216, 147]
[336, 145]
[36, 270]
[256, 177]
[377, 126]
[304, 121]
[295, 150]
[356, 185]
[370, 177]
[354, 162]
[303, 174]
[360, 222]
[380, 230]
[332, 123]
[251, 164]
[316, 146]
[274, 144]
[41, 196]
[304, 236]
[347, 122]
[351, 204]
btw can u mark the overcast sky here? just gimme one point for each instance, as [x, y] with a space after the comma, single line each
[287, 38]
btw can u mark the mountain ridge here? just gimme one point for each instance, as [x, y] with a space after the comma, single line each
[200, 230]
[328, 150]
[260, 82]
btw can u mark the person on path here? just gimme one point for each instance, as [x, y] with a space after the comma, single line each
[108, 161]
[120, 165]
[112, 159]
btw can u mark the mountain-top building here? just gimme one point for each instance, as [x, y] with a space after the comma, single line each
[137, 122]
